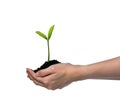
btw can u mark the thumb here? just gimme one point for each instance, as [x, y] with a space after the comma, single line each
[45, 72]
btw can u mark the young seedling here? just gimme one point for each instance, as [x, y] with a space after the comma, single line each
[47, 38]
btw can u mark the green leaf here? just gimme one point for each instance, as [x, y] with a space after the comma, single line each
[50, 31]
[41, 34]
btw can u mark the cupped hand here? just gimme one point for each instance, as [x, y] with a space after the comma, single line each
[55, 76]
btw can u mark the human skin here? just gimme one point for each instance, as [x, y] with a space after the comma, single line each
[60, 75]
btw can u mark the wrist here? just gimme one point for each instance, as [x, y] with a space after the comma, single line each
[81, 72]
[86, 72]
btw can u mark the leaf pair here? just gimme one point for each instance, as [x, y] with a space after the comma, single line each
[49, 33]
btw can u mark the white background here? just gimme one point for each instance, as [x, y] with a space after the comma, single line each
[86, 31]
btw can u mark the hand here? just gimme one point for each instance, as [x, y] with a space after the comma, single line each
[55, 76]
[60, 75]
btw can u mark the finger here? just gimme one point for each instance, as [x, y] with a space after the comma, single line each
[37, 83]
[34, 81]
[34, 77]
[28, 74]
[45, 72]
[30, 77]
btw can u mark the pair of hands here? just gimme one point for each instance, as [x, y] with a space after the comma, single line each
[55, 76]
[60, 75]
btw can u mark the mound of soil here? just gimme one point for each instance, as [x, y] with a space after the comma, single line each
[46, 65]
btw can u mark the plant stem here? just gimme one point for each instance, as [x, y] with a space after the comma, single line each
[48, 50]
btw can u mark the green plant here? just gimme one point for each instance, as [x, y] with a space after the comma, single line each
[47, 38]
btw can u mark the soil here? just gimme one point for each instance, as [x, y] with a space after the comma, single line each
[46, 65]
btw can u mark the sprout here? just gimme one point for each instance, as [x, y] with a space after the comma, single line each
[47, 38]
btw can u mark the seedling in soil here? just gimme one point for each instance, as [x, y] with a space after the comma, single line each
[47, 38]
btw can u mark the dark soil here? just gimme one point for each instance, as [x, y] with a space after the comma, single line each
[46, 65]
